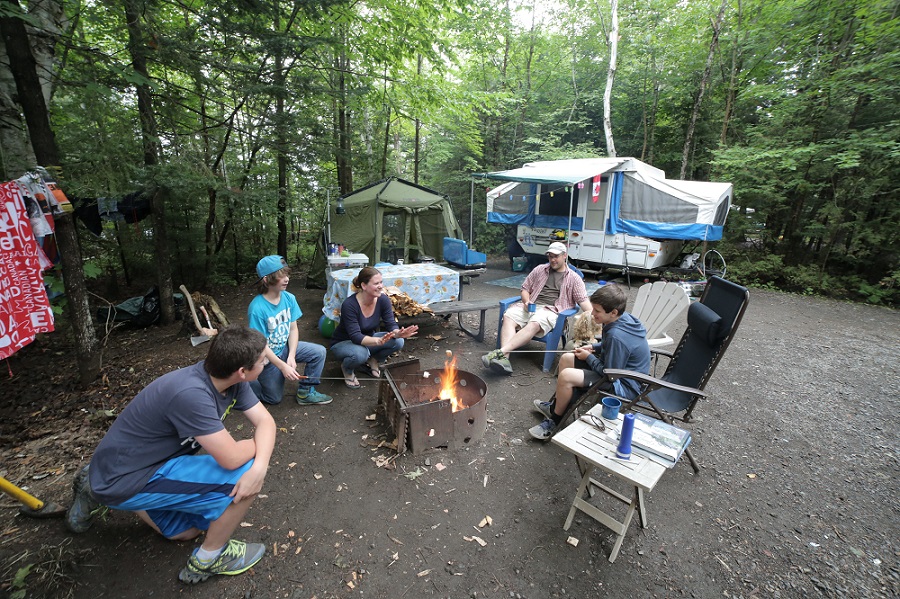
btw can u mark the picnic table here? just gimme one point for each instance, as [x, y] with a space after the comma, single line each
[424, 283]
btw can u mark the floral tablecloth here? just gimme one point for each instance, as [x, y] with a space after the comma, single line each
[424, 283]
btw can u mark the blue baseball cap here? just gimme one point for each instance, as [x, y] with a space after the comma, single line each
[270, 264]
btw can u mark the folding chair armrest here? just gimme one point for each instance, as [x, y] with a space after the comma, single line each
[661, 352]
[506, 303]
[646, 379]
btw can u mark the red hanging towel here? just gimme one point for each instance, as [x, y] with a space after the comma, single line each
[24, 308]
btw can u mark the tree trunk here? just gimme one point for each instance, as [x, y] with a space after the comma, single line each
[704, 81]
[150, 140]
[16, 156]
[611, 77]
[736, 65]
[418, 140]
[342, 124]
[281, 145]
[28, 88]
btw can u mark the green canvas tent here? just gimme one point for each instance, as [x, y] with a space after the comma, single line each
[388, 220]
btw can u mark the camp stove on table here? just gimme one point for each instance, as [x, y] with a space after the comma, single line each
[444, 407]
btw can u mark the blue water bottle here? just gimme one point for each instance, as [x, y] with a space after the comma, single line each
[623, 451]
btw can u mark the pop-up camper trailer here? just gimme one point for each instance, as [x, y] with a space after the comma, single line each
[612, 212]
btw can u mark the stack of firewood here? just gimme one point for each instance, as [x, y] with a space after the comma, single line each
[403, 304]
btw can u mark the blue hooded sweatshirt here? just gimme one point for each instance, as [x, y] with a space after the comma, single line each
[623, 346]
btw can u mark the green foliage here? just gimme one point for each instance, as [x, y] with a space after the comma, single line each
[800, 115]
[19, 587]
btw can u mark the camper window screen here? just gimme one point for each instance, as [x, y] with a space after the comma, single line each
[558, 204]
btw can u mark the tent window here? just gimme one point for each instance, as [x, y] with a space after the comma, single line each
[393, 232]
[558, 203]
[722, 212]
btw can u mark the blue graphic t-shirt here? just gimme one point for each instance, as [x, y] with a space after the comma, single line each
[274, 321]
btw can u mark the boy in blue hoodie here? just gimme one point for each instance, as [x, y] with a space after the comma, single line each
[623, 345]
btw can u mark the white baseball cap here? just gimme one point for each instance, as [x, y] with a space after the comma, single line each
[556, 248]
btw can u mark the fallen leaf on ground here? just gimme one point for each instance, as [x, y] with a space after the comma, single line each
[414, 475]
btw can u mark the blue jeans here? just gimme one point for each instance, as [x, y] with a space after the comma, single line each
[269, 387]
[352, 356]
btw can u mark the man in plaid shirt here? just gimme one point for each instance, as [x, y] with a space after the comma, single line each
[550, 289]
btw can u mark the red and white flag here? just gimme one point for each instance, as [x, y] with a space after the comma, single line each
[24, 307]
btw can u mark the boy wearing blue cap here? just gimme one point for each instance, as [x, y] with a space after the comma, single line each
[274, 312]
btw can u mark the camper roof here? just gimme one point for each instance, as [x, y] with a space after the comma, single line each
[571, 171]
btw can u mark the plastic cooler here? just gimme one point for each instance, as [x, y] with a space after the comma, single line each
[457, 253]
[351, 261]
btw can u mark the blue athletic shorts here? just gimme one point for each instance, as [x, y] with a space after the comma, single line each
[187, 492]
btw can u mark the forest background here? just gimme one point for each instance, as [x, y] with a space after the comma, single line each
[239, 120]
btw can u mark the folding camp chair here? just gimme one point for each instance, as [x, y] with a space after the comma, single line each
[657, 305]
[554, 338]
[712, 323]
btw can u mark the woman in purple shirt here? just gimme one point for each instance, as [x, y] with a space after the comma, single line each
[355, 341]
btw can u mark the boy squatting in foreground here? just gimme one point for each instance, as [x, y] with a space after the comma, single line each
[146, 463]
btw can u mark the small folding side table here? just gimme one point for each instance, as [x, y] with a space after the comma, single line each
[596, 449]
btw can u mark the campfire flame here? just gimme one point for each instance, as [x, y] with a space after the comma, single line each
[448, 385]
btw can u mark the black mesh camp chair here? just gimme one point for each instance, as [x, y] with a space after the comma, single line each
[712, 323]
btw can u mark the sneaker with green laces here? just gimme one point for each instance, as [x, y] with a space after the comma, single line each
[501, 364]
[308, 396]
[491, 355]
[236, 557]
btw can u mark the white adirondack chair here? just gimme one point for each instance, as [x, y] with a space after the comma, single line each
[656, 306]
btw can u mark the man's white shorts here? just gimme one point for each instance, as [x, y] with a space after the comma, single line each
[544, 316]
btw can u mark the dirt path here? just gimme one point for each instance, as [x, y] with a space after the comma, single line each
[797, 496]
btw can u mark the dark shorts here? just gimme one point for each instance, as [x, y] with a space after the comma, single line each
[591, 377]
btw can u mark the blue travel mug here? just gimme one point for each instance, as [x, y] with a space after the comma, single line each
[610, 409]
[623, 451]
[532, 308]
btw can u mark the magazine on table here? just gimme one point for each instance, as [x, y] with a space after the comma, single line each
[656, 439]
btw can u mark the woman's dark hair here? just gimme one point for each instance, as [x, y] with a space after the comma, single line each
[365, 275]
[610, 297]
[235, 347]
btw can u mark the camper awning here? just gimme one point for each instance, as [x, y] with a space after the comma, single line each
[556, 171]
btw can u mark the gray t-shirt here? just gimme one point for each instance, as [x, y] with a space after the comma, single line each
[550, 293]
[159, 424]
